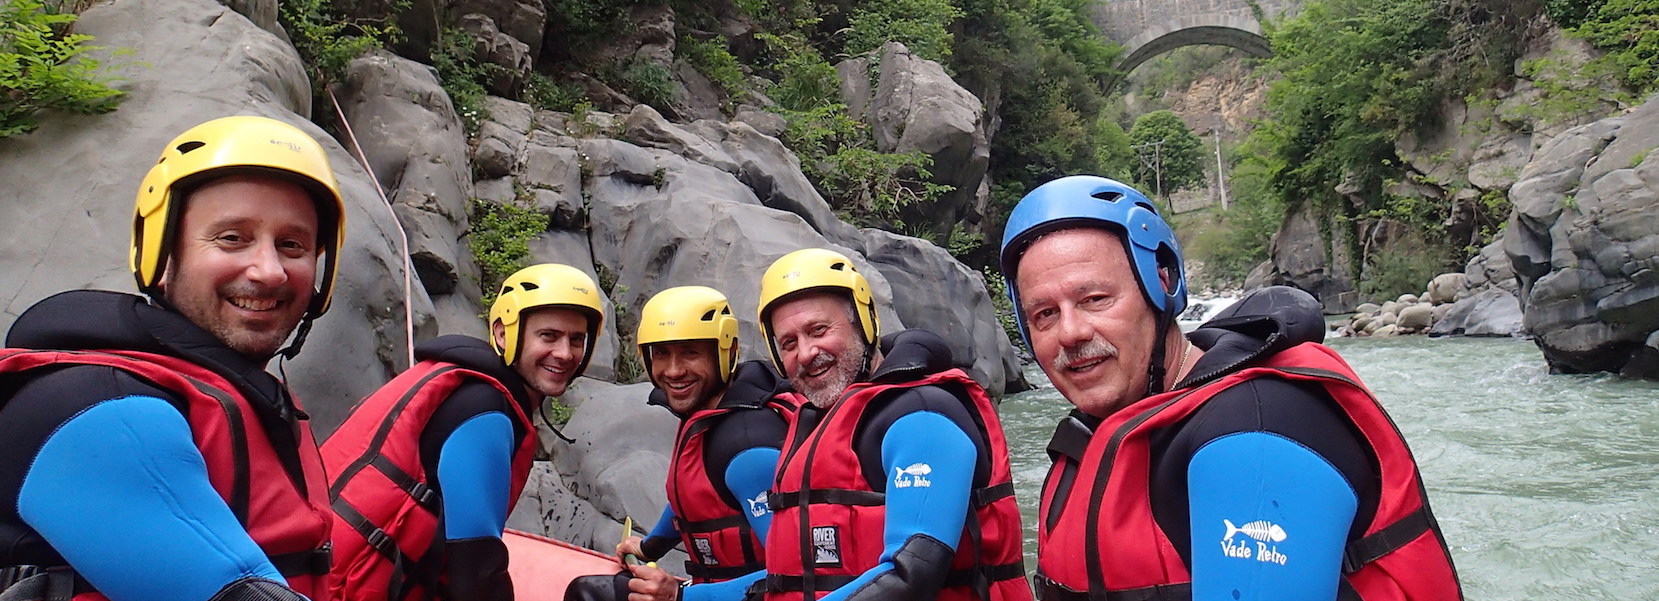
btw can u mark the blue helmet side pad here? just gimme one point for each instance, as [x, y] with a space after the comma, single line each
[1091, 201]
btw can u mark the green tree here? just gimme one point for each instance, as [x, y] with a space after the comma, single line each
[42, 68]
[921, 25]
[1629, 31]
[1171, 157]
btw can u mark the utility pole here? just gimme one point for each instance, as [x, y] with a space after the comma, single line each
[1220, 169]
[1157, 166]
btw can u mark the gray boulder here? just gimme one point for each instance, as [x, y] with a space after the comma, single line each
[916, 106]
[1582, 242]
[929, 288]
[1493, 312]
[1444, 287]
[619, 461]
[1416, 317]
[1301, 257]
[699, 227]
[406, 127]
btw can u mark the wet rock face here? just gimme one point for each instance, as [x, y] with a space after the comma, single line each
[1584, 242]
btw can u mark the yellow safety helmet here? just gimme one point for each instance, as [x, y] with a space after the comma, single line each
[690, 313]
[232, 146]
[815, 269]
[545, 285]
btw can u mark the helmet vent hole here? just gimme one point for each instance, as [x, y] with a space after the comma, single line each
[528, 286]
[189, 146]
[839, 266]
[709, 315]
[1107, 196]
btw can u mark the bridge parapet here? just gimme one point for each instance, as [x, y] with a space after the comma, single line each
[1147, 28]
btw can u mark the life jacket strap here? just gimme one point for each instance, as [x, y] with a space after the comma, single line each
[826, 496]
[781, 583]
[983, 497]
[1382, 542]
[720, 573]
[717, 524]
[313, 562]
[1049, 590]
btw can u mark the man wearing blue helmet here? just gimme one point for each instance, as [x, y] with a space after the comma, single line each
[1243, 461]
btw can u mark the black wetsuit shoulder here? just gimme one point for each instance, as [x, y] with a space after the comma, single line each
[870, 431]
[1299, 411]
[734, 433]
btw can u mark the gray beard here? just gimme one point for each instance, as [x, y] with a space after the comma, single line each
[830, 393]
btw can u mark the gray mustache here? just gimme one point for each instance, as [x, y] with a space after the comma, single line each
[1094, 348]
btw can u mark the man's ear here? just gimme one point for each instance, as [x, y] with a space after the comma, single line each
[498, 332]
[1167, 277]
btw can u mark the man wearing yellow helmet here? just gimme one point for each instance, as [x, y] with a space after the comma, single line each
[895, 446]
[725, 452]
[149, 456]
[426, 469]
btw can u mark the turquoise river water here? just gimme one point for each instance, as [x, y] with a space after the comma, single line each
[1546, 486]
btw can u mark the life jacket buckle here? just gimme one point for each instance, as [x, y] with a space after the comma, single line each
[11, 575]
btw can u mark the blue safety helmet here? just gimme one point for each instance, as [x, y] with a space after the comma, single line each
[1091, 201]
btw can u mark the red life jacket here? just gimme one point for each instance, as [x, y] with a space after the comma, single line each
[1111, 547]
[843, 510]
[288, 520]
[387, 516]
[715, 531]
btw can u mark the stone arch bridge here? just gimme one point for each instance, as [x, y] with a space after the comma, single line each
[1148, 28]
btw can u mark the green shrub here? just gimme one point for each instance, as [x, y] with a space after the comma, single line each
[816, 133]
[997, 287]
[1628, 30]
[711, 58]
[500, 242]
[463, 76]
[872, 188]
[923, 26]
[646, 81]
[542, 93]
[328, 40]
[1405, 268]
[42, 68]
[804, 80]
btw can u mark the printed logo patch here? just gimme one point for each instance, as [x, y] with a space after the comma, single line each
[913, 476]
[705, 550]
[1264, 534]
[826, 546]
[757, 505]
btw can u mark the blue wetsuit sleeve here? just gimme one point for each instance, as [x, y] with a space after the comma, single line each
[929, 466]
[730, 590]
[1270, 520]
[749, 476]
[665, 525]
[474, 473]
[121, 491]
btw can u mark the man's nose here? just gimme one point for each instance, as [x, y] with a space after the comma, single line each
[265, 265]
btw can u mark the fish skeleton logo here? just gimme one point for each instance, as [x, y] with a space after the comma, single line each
[757, 505]
[1266, 535]
[913, 476]
[826, 546]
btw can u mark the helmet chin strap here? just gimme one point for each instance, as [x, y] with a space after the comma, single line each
[299, 338]
[1155, 371]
